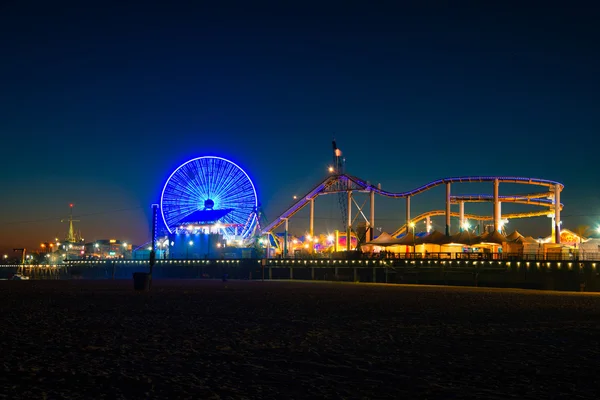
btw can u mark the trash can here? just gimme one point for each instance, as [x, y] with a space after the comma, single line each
[141, 281]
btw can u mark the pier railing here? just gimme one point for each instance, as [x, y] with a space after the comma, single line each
[520, 273]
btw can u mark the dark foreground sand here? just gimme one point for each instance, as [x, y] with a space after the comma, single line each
[279, 340]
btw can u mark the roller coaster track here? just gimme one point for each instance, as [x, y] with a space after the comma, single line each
[344, 182]
[474, 217]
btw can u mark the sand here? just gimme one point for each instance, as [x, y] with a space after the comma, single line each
[279, 340]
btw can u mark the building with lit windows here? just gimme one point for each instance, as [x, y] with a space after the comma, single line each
[107, 249]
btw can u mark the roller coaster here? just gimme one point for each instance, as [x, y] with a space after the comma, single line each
[344, 183]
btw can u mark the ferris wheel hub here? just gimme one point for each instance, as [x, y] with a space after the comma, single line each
[209, 204]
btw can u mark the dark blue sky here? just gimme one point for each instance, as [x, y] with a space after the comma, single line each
[99, 103]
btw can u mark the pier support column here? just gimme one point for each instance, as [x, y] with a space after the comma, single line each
[447, 208]
[270, 273]
[335, 272]
[372, 216]
[349, 227]
[374, 278]
[291, 273]
[556, 213]
[407, 213]
[496, 209]
[285, 239]
[355, 274]
[312, 273]
[461, 214]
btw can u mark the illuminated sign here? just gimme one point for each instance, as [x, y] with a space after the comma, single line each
[113, 240]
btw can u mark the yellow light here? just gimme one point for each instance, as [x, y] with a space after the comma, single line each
[330, 238]
[113, 240]
[43, 245]
[218, 244]
[308, 237]
[331, 169]
[412, 224]
[295, 197]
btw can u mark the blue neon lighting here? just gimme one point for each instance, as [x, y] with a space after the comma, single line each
[200, 179]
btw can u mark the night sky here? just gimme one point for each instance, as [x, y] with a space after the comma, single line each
[99, 102]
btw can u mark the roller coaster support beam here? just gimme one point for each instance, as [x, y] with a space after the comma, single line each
[461, 214]
[268, 245]
[285, 239]
[311, 225]
[407, 210]
[557, 213]
[372, 216]
[500, 215]
[447, 208]
[428, 224]
[496, 206]
[349, 228]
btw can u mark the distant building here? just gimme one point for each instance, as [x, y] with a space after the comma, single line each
[107, 248]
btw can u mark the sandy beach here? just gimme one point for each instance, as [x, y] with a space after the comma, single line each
[247, 340]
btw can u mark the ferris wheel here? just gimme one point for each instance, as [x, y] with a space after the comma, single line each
[213, 184]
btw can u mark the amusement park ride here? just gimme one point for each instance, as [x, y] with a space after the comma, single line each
[214, 196]
[346, 185]
[209, 208]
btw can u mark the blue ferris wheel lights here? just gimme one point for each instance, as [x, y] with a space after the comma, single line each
[209, 186]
